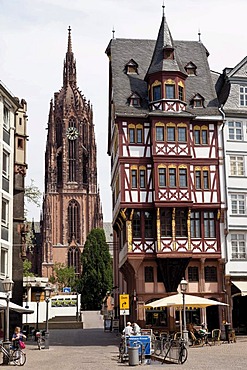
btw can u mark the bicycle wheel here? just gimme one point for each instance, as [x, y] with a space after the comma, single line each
[157, 347]
[19, 357]
[183, 354]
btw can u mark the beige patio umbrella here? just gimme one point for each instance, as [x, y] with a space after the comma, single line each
[191, 301]
[176, 301]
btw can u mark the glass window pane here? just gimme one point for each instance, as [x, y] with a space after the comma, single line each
[157, 92]
[131, 135]
[162, 177]
[197, 136]
[170, 133]
[170, 91]
[182, 134]
[159, 133]
[139, 135]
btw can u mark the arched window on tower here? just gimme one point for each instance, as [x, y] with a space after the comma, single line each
[73, 221]
[59, 168]
[72, 160]
[72, 153]
[59, 133]
[74, 257]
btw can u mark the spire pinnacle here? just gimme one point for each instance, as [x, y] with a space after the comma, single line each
[113, 33]
[199, 35]
[69, 71]
[69, 41]
[163, 6]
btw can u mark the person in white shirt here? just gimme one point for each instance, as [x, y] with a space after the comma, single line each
[128, 330]
[136, 329]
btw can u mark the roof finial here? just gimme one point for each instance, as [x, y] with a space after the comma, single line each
[163, 6]
[113, 32]
[199, 35]
[69, 41]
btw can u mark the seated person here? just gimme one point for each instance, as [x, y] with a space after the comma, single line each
[136, 329]
[202, 331]
[193, 330]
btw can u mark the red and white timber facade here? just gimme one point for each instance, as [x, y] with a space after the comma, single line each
[166, 155]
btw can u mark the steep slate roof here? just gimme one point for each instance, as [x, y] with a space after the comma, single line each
[122, 50]
[164, 41]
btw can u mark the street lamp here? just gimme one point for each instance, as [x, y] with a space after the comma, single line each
[183, 288]
[47, 299]
[37, 296]
[7, 287]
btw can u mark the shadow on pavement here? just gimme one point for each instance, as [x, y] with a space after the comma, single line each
[83, 337]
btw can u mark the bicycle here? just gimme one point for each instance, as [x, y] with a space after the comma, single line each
[176, 350]
[123, 349]
[40, 335]
[17, 356]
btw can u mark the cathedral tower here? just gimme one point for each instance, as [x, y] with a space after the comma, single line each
[71, 206]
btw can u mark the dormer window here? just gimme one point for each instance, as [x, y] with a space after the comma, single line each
[197, 101]
[134, 100]
[191, 69]
[168, 53]
[131, 67]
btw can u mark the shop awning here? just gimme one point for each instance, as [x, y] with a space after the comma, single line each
[14, 307]
[242, 286]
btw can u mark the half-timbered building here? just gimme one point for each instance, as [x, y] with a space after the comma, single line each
[165, 147]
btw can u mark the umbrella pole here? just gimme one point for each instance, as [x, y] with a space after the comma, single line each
[180, 320]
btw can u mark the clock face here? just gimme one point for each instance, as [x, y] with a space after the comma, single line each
[72, 133]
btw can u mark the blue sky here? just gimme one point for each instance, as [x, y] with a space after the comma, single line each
[33, 42]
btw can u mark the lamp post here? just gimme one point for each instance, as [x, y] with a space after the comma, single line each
[37, 296]
[47, 299]
[7, 287]
[183, 287]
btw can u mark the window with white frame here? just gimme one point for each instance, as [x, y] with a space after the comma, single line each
[6, 117]
[238, 245]
[238, 204]
[4, 261]
[5, 168]
[236, 165]
[243, 96]
[235, 130]
[5, 212]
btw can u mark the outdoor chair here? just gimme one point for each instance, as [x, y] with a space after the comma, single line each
[194, 340]
[232, 336]
[177, 335]
[216, 336]
[164, 334]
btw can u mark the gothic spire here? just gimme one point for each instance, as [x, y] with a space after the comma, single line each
[69, 71]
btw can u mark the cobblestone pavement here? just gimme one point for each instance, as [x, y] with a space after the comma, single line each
[92, 349]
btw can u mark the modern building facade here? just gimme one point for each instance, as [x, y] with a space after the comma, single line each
[165, 143]
[71, 206]
[232, 92]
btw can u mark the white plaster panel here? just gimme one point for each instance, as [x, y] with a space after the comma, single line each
[201, 152]
[211, 287]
